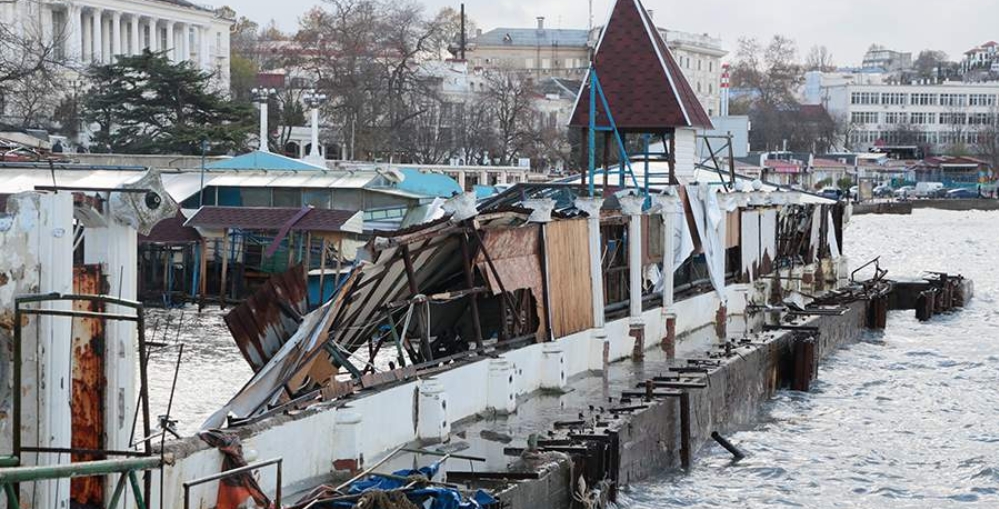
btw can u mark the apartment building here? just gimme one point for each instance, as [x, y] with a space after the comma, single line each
[881, 112]
[545, 52]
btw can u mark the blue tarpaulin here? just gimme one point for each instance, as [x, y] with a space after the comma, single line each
[440, 497]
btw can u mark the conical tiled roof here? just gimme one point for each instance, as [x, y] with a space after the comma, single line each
[643, 84]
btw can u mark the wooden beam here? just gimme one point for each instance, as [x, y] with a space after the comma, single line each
[466, 258]
[414, 288]
[324, 252]
[225, 266]
[203, 274]
[308, 266]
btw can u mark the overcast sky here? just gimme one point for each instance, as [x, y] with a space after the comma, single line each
[846, 27]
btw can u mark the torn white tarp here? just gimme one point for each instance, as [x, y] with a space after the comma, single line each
[709, 219]
[816, 233]
[831, 237]
[752, 253]
[768, 239]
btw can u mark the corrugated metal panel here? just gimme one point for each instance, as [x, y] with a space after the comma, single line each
[568, 252]
[263, 323]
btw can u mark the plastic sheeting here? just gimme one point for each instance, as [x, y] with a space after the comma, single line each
[710, 221]
[439, 498]
[816, 234]
[752, 252]
[831, 237]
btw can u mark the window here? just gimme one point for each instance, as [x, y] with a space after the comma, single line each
[711, 66]
[924, 99]
[895, 117]
[893, 99]
[953, 118]
[981, 100]
[981, 119]
[953, 100]
[698, 87]
[864, 117]
[711, 88]
[923, 118]
[699, 65]
[529, 64]
[291, 198]
[864, 98]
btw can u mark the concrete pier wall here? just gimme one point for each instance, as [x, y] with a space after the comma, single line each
[649, 443]
[390, 417]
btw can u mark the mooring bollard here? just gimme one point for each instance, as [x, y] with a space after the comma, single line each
[728, 446]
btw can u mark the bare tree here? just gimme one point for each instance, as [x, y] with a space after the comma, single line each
[987, 145]
[30, 65]
[772, 72]
[819, 59]
[927, 64]
[511, 99]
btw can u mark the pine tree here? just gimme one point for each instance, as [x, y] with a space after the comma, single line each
[146, 104]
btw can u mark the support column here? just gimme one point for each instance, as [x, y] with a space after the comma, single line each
[185, 42]
[96, 32]
[86, 33]
[171, 41]
[591, 207]
[205, 62]
[115, 35]
[632, 206]
[154, 36]
[106, 40]
[74, 33]
[135, 47]
[672, 210]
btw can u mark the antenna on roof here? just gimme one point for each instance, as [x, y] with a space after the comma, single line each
[591, 16]
[462, 43]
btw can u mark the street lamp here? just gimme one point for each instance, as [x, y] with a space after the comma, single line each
[262, 96]
[314, 100]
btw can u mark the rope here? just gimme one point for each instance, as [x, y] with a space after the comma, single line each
[385, 500]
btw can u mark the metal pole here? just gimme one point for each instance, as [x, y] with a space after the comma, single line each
[201, 194]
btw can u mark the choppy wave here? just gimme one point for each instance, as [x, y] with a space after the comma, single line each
[908, 418]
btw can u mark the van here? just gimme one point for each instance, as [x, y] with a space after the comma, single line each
[928, 189]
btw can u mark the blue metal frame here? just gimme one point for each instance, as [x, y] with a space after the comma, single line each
[595, 90]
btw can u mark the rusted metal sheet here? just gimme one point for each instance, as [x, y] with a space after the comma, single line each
[263, 323]
[88, 385]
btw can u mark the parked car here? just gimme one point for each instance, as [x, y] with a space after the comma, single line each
[831, 193]
[904, 192]
[928, 189]
[883, 191]
[962, 194]
[855, 193]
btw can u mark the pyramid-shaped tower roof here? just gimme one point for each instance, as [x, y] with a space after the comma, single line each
[643, 84]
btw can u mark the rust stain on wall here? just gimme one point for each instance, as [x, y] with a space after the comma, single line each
[88, 385]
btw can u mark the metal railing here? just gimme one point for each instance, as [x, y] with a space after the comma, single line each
[234, 472]
[12, 476]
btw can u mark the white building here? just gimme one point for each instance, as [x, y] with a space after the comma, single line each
[883, 112]
[95, 31]
[565, 54]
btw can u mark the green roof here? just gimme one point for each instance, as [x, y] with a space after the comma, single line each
[258, 160]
